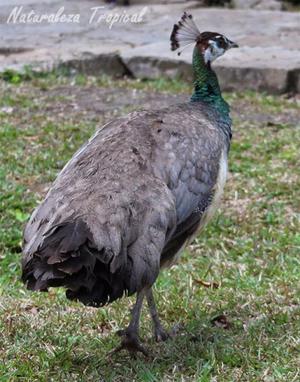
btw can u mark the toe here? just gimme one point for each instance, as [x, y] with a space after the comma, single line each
[161, 335]
[131, 342]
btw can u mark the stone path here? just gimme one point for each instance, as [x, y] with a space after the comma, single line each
[268, 58]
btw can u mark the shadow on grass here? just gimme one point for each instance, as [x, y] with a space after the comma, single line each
[199, 351]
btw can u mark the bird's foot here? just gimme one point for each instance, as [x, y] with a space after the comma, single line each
[130, 342]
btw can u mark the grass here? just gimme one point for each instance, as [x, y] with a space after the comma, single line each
[251, 250]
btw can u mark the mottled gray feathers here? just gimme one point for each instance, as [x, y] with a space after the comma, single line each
[127, 202]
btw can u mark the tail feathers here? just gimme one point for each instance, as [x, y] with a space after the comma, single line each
[65, 237]
[67, 257]
[105, 288]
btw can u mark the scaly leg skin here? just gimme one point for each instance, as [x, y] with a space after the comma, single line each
[130, 335]
[159, 332]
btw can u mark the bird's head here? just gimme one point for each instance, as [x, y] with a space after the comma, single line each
[211, 45]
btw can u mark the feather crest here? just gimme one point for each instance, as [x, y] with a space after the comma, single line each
[184, 33]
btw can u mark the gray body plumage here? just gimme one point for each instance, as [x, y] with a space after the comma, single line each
[127, 203]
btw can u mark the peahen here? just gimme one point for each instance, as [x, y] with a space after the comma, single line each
[135, 195]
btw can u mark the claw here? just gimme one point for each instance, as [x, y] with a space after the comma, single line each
[161, 335]
[131, 343]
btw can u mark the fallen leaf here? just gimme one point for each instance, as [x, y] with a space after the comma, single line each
[207, 284]
[221, 321]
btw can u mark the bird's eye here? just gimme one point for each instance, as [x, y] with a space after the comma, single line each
[221, 43]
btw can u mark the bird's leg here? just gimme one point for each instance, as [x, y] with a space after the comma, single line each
[159, 332]
[130, 335]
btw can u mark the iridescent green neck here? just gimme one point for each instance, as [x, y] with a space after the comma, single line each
[207, 87]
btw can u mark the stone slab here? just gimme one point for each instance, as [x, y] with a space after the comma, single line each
[273, 5]
[241, 69]
[268, 58]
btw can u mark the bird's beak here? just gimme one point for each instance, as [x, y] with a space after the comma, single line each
[233, 44]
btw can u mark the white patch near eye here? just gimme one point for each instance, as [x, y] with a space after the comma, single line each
[213, 52]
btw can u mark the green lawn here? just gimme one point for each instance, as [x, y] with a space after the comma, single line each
[251, 249]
